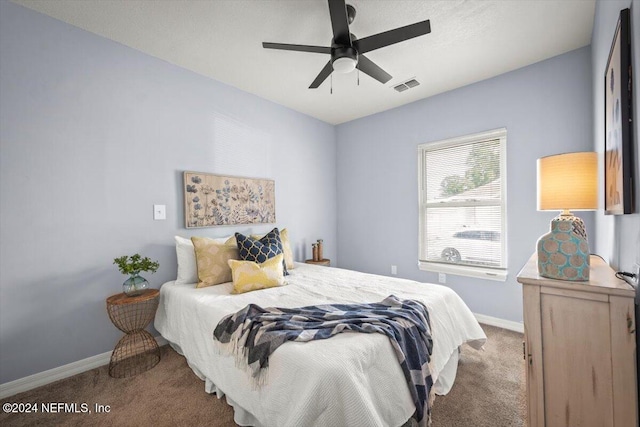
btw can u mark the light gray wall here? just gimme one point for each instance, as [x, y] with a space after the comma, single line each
[546, 108]
[618, 236]
[92, 134]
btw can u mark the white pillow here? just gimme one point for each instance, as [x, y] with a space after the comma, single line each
[186, 254]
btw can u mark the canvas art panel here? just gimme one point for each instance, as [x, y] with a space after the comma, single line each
[211, 200]
[618, 156]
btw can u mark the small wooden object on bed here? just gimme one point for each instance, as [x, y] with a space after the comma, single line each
[325, 262]
[137, 351]
[580, 349]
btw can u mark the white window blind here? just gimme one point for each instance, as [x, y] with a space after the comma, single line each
[462, 185]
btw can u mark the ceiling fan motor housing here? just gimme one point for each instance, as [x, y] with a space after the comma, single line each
[344, 59]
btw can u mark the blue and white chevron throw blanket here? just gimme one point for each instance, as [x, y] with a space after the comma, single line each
[254, 333]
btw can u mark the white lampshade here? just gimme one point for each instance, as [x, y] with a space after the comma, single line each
[568, 182]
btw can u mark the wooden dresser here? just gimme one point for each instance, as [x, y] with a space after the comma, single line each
[580, 349]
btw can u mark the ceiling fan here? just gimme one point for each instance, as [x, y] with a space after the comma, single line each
[347, 51]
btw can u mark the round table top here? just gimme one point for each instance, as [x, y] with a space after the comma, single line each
[123, 298]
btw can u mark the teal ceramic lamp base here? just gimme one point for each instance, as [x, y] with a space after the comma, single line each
[563, 253]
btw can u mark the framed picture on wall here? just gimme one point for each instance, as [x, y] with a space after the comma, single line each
[618, 153]
[211, 200]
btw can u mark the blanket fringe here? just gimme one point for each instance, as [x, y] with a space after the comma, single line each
[236, 348]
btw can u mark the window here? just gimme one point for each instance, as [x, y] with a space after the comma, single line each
[462, 184]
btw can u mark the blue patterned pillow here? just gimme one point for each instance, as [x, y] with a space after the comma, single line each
[260, 250]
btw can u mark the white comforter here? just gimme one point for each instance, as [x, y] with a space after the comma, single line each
[348, 380]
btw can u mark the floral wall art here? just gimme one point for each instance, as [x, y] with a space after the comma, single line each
[212, 200]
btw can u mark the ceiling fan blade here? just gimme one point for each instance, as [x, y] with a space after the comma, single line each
[297, 47]
[339, 22]
[326, 71]
[387, 38]
[367, 66]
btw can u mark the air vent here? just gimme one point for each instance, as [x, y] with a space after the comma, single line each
[411, 83]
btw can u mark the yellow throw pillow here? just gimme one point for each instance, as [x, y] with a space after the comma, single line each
[212, 260]
[286, 247]
[251, 276]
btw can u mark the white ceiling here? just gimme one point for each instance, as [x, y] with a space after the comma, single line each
[470, 40]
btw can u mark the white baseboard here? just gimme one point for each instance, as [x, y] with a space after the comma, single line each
[500, 323]
[43, 378]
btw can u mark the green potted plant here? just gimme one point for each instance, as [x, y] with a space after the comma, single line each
[133, 265]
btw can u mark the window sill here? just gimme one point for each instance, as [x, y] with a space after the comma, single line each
[464, 270]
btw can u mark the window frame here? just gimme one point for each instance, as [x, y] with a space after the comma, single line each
[490, 273]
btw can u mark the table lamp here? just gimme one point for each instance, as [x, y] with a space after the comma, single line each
[566, 182]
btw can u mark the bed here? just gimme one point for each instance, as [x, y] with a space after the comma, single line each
[349, 380]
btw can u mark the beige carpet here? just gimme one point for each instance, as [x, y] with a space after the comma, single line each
[490, 386]
[489, 391]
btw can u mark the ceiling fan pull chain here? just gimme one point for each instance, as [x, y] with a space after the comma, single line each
[358, 76]
[331, 84]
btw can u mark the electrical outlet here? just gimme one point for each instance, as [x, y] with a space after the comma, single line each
[394, 269]
[442, 278]
[635, 280]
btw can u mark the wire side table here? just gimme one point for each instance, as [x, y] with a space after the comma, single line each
[137, 351]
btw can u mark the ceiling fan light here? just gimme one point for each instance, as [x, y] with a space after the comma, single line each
[344, 65]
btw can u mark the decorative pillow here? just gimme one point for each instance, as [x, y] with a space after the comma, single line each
[187, 268]
[212, 260]
[286, 248]
[251, 276]
[260, 250]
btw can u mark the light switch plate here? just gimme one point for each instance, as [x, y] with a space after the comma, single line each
[159, 212]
